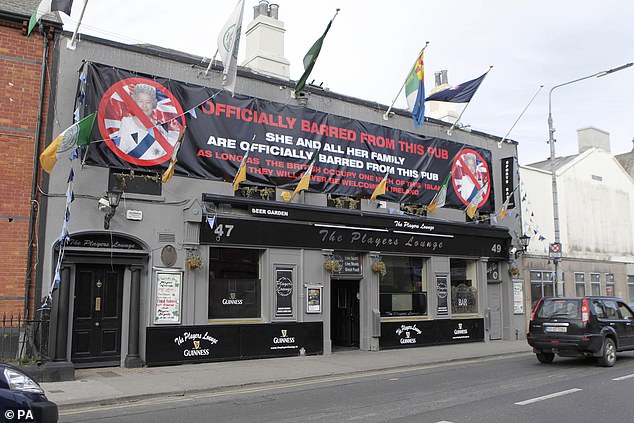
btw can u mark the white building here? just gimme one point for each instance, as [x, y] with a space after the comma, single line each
[596, 211]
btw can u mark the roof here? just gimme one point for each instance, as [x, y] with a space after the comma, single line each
[627, 161]
[559, 162]
[24, 9]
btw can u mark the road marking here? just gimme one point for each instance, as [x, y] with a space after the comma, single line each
[443, 421]
[623, 377]
[545, 397]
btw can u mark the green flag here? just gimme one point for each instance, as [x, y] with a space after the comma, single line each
[48, 6]
[311, 58]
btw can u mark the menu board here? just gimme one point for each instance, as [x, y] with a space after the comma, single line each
[350, 264]
[167, 307]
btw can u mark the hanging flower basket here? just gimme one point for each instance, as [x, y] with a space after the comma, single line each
[194, 262]
[514, 271]
[332, 265]
[379, 267]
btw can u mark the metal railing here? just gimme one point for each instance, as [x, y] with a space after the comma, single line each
[24, 341]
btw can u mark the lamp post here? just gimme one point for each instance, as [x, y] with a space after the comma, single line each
[553, 167]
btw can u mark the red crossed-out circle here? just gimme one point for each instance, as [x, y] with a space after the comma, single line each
[463, 177]
[117, 103]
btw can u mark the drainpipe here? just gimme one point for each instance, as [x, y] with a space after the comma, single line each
[36, 172]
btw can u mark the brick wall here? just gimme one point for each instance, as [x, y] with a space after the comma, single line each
[20, 73]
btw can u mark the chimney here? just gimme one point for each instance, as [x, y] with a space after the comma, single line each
[265, 42]
[593, 137]
[441, 78]
[439, 109]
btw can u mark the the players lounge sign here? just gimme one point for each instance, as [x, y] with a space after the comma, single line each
[140, 120]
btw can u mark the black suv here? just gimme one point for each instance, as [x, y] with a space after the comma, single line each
[581, 327]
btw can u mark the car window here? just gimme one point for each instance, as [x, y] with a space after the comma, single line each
[611, 309]
[598, 309]
[625, 312]
[568, 309]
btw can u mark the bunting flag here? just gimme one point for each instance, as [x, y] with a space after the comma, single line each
[380, 188]
[440, 197]
[460, 93]
[311, 57]
[75, 135]
[48, 6]
[228, 46]
[415, 90]
[475, 202]
[169, 172]
[64, 235]
[304, 182]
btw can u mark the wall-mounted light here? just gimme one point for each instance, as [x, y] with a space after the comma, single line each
[524, 241]
[114, 196]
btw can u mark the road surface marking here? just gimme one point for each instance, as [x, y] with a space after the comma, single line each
[545, 397]
[623, 377]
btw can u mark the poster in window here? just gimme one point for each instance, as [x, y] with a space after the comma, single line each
[167, 307]
[518, 297]
[441, 293]
[283, 292]
[313, 299]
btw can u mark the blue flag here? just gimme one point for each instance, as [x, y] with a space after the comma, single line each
[460, 93]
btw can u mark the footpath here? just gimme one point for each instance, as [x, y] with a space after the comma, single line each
[116, 384]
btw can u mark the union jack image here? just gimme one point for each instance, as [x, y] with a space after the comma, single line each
[141, 121]
[470, 174]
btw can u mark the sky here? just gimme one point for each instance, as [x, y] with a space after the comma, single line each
[373, 44]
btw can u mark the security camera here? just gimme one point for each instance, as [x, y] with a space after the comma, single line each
[103, 204]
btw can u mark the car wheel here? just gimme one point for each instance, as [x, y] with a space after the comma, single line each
[545, 357]
[609, 353]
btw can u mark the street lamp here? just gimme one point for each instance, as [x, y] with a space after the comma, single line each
[553, 167]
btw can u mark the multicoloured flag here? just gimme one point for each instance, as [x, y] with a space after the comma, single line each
[241, 174]
[505, 206]
[475, 203]
[169, 172]
[311, 57]
[48, 6]
[440, 197]
[415, 91]
[304, 182]
[380, 188]
[76, 134]
[228, 46]
[459, 93]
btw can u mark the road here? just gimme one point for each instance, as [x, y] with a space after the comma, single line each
[503, 389]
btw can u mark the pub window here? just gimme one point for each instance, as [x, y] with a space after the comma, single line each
[464, 286]
[580, 284]
[609, 284]
[234, 283]
[630, 287]
[403, 287]
[595, 283]
[542, 285]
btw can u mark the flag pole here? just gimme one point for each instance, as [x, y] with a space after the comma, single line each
[520, 116]
[71, 43]
[465, 107]
[211, 62]
[386, 115]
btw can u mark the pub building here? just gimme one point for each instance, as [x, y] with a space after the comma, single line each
[205, 266]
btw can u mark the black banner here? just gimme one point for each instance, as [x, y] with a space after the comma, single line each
[508, 171]
[140, 120]
[430, 332]
[196, 344]
[230, 231]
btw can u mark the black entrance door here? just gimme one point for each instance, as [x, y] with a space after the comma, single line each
[97, 315]
[345, 313]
